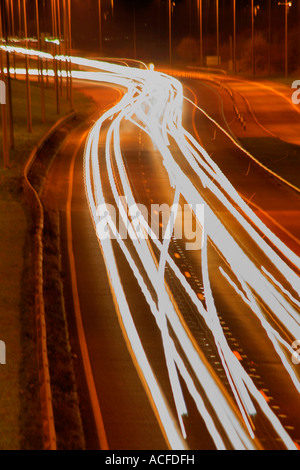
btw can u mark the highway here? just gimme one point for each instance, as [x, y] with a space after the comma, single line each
[185, 182]
[185, 343]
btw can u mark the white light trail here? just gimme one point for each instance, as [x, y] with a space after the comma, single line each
[153, 102]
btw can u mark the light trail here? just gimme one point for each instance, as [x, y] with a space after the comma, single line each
[153, 102]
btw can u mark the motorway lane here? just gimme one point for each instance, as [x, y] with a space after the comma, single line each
[154, 187]
[242, 329]
[151, 185]
[129, 420]
[271, 104]
[153, 182]
[282, 204]
[276, 204]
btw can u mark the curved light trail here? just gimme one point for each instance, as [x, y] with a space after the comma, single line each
[153, 103]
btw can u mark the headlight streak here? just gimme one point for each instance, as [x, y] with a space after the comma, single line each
[207, 381]
[154, 104]
[127, 192]
[290, 255]
[226, 244]
[147, 260]
[131, 201]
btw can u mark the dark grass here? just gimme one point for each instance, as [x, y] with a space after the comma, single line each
[67, 418]
[25, 141]
[22, 403]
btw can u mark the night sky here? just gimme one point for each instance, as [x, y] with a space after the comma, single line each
[152, 23]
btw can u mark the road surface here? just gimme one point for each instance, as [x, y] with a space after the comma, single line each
[181, 348]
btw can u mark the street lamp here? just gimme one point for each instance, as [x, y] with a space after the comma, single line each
[254, 11]
[40, 61]
[3, 108]
[69, 16]
[201, 31]
[170, 32]
[287, 5]
[134, 30]
[28, 91]
[100, 25]
[12, 13]
[234, 36]
[218, 32]
[253, 44]
[55, 64]
[270, 37]
[4, 12]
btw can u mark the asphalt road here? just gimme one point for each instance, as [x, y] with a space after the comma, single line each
[124, 413]
[274, 202]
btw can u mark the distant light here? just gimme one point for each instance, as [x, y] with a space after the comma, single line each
[53, 41]
[151, 67]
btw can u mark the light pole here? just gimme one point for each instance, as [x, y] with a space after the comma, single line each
[253, 40]
[70, 50]
[66, 40]
[9, 90]
[234, 36]
[218, 32]
[12, 15]
[55, 64]
[28, 91]
[286, 37]
[201, 31]
[170, 32]
[270, 37]
[3, 108]
[100, 25]
[20, 18]
[287, 5]
[59, 47]
[40, 61]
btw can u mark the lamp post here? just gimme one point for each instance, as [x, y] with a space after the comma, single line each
[287, 5]
[9, 91]
[20, 18]
[201, 31]
[100, 25]
[12, 17]
[134, 31]
[66, 46]
[59, 47]
[3, 108]
[218, 32]
[286, 38]
[55, 64]
[170, 32]
[234, 36]
[40, 61]
[253, 39]
[70, 50]
[270, 37]
[28, 91]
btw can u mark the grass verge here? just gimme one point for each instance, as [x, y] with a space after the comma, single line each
[68, 424]
[20, 424]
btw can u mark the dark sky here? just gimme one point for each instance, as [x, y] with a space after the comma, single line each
[152, 21]
[152, 18]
